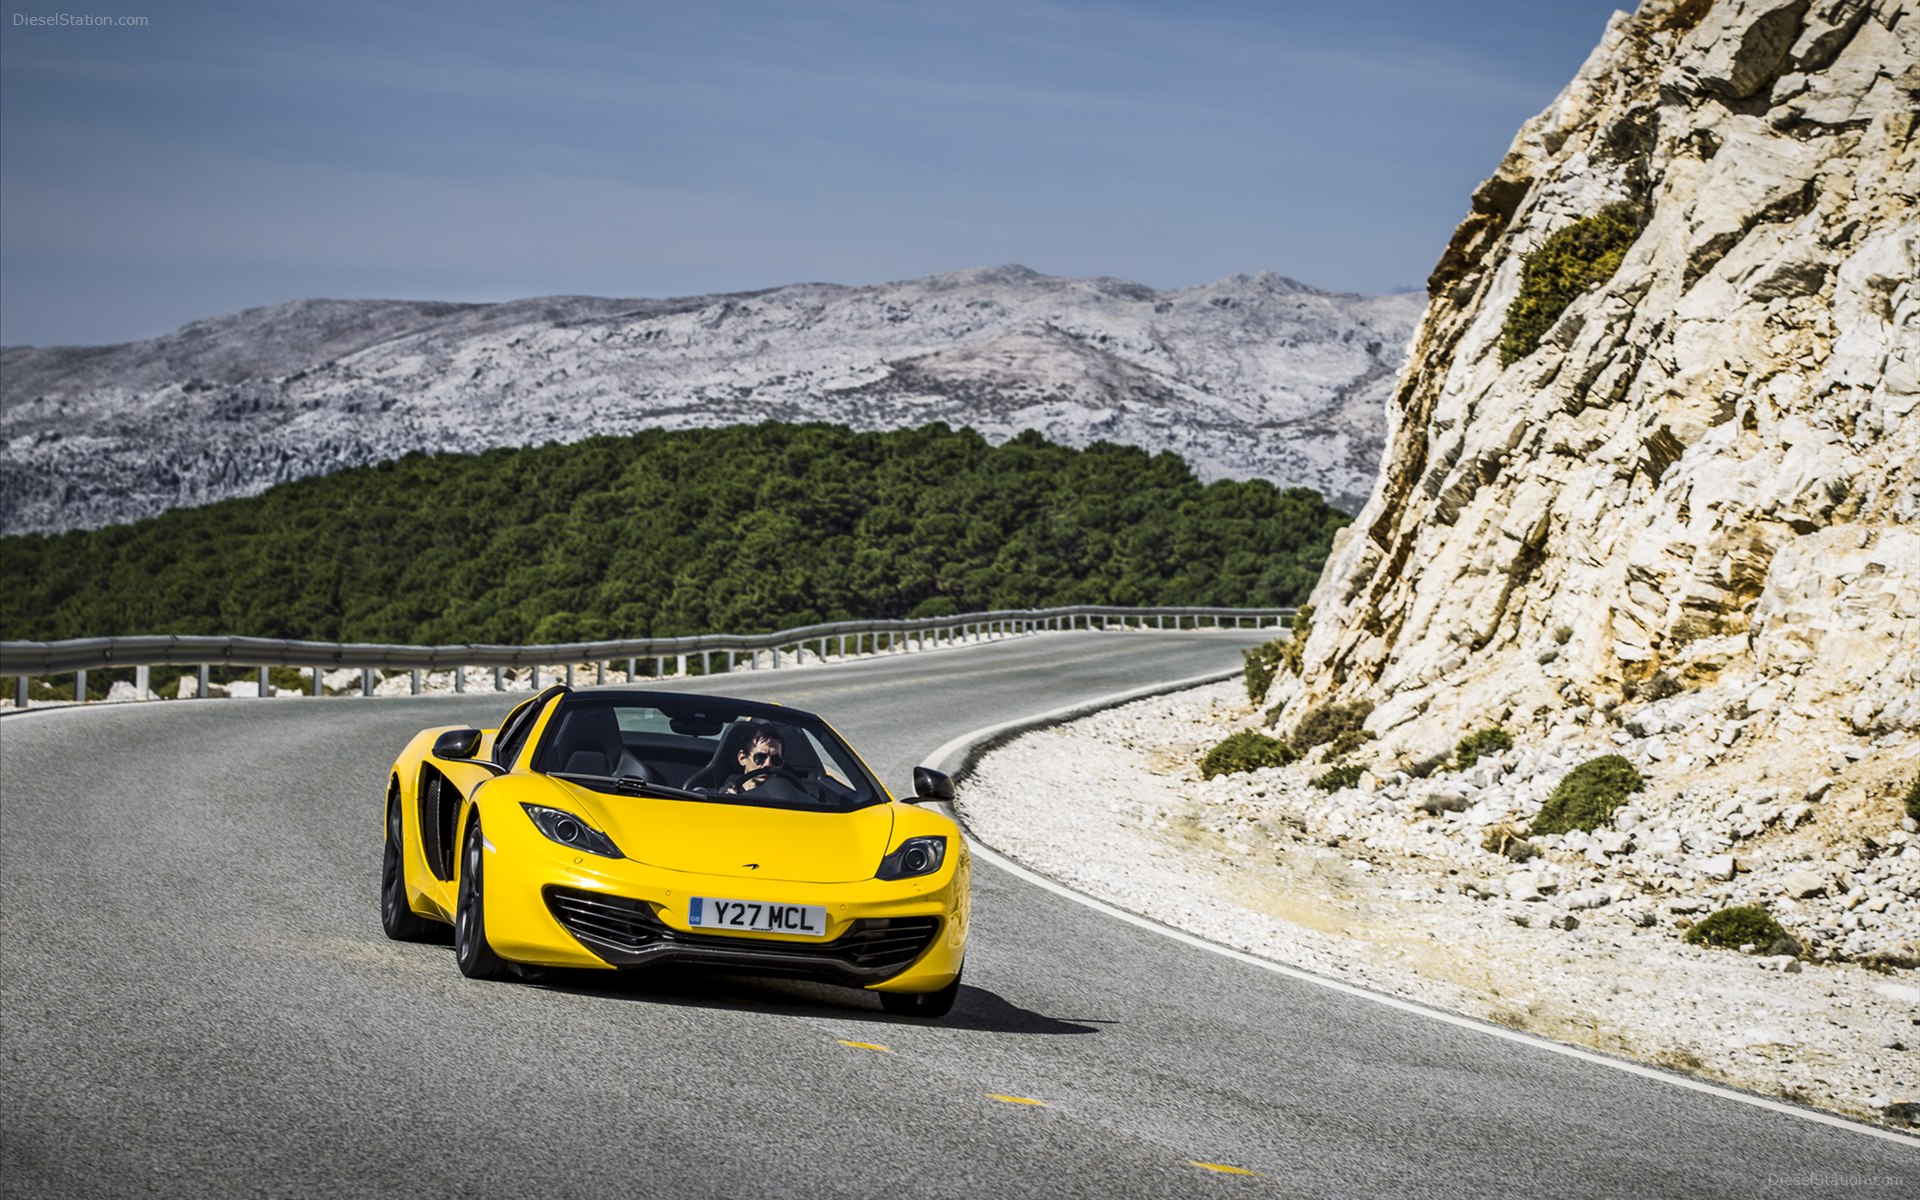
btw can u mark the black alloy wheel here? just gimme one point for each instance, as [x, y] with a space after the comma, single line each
[470, 949]
[397, 917]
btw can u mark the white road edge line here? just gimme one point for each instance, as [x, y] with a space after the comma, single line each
[958, 756]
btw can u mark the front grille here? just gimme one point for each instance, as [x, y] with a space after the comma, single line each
[628, 933]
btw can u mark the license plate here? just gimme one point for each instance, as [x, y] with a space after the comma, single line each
[757, 916]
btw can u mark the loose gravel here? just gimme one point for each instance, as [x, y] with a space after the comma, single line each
[1387, 884]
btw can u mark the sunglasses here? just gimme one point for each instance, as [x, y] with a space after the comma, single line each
[767, 758]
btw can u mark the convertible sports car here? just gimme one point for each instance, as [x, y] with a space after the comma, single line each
[633, 829]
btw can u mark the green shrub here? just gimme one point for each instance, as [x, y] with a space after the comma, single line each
[1265, 660]
[1261, 663]
[1295, 648]
[1486, 741]
[1422, 768]
[1246, 750]
[1324, 724]
[1583, 255]
[1913, 799]
[1339, 777]
[1656, 687]
[1347, 743]
[1506, 840]
[1588, 795]
[1743, 926]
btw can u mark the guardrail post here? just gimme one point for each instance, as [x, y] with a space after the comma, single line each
[80, 687]
[206, 688]
[460, 680]
[499, 680]
[536, 676]
[659, 666]
[315, 682]
[569, 675]
[21, 697]
[265, 685]
[142, 678]
[366, 681]
[416, 681]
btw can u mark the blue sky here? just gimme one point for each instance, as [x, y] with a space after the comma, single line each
[231, 155]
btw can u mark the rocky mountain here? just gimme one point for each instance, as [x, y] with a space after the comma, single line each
[1251, 376]
[1679, 516]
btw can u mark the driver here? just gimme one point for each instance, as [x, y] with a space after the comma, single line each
[765, 752]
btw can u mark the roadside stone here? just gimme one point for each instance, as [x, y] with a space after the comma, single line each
[1720, 866]
[1804, 885]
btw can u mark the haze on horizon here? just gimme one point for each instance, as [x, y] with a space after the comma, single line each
[224, 156]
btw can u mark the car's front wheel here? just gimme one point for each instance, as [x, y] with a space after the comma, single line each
[396, 915]
[470, 949]
[922, 1004]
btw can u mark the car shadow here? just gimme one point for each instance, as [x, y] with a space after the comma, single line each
[976, 1010]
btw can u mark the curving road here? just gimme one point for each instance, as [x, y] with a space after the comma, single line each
[195, 997]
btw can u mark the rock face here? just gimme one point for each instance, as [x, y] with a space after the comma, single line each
[1704, 479]
[1250, 377]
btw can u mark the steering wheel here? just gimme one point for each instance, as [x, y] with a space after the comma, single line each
[763, 774]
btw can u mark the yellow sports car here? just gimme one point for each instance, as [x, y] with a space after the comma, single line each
[632, 829]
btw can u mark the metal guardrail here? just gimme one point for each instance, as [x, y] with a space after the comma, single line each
[27, 660]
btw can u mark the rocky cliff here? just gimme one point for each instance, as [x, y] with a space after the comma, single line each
[1687, 515]
[1254, 376]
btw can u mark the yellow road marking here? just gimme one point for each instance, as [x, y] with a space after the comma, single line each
[863, 1046]
[1223, 1168]
[1017, 1100]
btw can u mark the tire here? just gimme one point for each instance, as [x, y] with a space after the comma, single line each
[931, 1005]
[399, 920]
[470, 949]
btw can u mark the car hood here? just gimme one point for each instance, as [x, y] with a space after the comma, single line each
[742, 839]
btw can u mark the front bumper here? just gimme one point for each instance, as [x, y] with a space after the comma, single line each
[555, 908]
[630, 933]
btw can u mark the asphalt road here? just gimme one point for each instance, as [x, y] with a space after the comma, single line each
[198, 1000]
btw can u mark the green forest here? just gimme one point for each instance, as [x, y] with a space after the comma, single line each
[739, 530]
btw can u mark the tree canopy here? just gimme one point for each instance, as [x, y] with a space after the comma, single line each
[663, 533]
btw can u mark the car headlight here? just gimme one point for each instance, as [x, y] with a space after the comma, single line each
[916, 856]
[570, 831]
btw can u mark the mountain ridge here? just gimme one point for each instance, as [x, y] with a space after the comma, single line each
[1250, 376]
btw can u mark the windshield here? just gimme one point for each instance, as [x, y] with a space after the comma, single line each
[703, 748]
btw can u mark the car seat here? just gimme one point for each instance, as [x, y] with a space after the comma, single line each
[589, 743]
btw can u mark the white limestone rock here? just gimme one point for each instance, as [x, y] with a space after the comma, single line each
[1687, 525]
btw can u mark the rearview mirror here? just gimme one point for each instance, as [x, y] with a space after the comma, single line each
[929, 784]
[456, 743]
